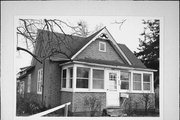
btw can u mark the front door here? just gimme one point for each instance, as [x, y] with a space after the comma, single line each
[112, 92]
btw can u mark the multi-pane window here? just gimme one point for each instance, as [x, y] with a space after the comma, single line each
[82, 80]
[64, 74]
[137, 81]
[112, 81]
[102, 46]
[125, 79]
[39, 81]
[70, 76]
[146, 81]
[29, 84]
[98, 79]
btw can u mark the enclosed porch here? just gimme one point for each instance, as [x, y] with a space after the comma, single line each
[114, 83]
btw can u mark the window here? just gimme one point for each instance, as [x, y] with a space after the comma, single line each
[70, 77]
[102, 46]
[29, 84]
[125, 79]
[39, 81]
[112, 81]
[98, 79]
[137, 81]
[146, 81]
[82, 77]
[64, 78]
[21, 87]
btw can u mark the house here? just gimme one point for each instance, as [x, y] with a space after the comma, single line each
[94, 66]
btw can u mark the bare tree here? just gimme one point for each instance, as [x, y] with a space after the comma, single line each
[146, 99]
[42, 34]
[120, 23]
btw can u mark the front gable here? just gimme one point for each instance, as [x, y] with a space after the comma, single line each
[94, 53]
[114, 53]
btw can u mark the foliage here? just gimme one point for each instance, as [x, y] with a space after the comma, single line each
[26, 106]
[128, 106]
[140, 105]
[93, 104]
[146, 100]
[149, 46]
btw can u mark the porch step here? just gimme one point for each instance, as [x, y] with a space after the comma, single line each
[113, 111]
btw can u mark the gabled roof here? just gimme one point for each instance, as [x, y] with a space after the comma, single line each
[73, 43]
[24, 71]
[76, 44]
[133, 59]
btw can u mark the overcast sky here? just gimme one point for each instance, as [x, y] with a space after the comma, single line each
[128, 34]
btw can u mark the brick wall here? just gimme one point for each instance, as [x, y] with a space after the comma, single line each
[67, 97]
[92, 52]
[79, 97]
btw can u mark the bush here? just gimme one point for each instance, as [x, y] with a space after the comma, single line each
[93, 104]
[27, 106]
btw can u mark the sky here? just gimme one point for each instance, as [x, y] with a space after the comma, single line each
[128, 34]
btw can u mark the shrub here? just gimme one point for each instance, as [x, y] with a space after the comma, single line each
[26, 106]
[93, 104]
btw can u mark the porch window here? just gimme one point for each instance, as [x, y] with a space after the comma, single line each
[70, 76]
[98, 79]
[39, 81]
[82, 77]
[125, 79]
[64, 78]
[147, 81]
[137, 81]
[29, 84]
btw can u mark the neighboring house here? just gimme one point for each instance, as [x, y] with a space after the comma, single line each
[93, 66]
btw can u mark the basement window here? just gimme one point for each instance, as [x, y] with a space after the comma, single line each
[102, 46]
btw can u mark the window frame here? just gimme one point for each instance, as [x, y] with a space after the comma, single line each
[129, 81]
[142, 83]
[39, 81]
[29, 83]
[89, 74]
[62, 82]
[98, 79]
[67, 78]
[102, 43]
[150, 81]
[137, 82]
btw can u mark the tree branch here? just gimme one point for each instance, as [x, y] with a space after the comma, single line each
[19, 48]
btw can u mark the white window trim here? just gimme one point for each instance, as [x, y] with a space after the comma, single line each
[96, 78]
[67, 78]
[89, 79]
[39, 80]
[104, 43]
[63, 78]
[29, 84]
[142, 89]
[130, 79]
[90, 86]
